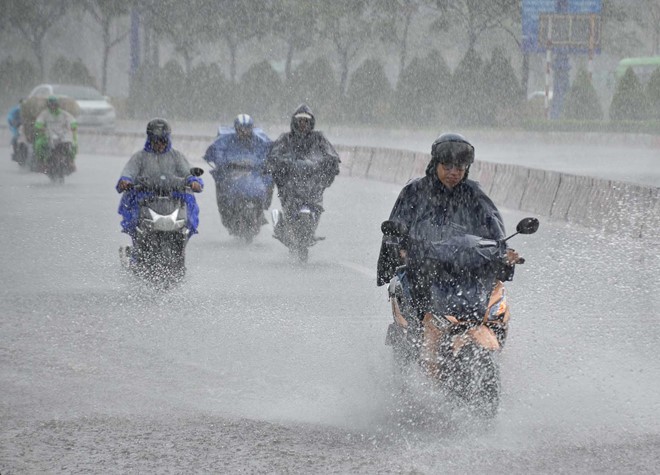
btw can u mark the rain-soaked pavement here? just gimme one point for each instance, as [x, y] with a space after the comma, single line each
[257, 365]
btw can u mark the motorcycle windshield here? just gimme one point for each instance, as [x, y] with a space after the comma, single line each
[163, 205]
[466, 299]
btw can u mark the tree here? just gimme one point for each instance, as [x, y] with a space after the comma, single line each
[106, 13]
[629, 101]
[237, 22]
[582, 101]
[33, 20]
[478, 16]
[347, 24]
[184, 26]
[295, 22]
[397, 17]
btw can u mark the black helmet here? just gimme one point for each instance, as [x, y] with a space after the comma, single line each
[158, 128]
[451, 149]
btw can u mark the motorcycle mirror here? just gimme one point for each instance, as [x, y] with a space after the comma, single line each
[528, 226]
[392, 228]
[525, 226]
[196, 171]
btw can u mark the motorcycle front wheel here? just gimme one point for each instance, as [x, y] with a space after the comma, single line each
[474, 377]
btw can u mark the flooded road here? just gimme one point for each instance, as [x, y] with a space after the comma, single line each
[258, 365]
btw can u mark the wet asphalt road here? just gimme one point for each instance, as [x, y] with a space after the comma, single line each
[258, 365]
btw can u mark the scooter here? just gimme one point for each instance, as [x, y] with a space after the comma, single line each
[60, 162]
[242, 194]
[295, 226]
[457, 343]
[161, 236]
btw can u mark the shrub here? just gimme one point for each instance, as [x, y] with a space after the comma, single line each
[582, 101]
[64, 71]
[261, 90]
[629, 101]
[653, 94]
[210, 94]
[316, 85]
[369, 94]
[502, 92]
[421, 92]
[467, 92]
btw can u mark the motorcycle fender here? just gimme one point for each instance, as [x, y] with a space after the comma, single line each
[483, 337]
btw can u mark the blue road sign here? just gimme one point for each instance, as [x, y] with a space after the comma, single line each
[533, 9]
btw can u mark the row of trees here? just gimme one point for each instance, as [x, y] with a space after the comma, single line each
[478, 92]
[348, 28]
[632, 101]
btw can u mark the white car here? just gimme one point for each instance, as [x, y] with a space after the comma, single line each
[95, 108]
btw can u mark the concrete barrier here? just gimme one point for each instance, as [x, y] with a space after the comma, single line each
[616, 207]
[540, 192]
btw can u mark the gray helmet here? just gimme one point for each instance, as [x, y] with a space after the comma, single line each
[158, 128]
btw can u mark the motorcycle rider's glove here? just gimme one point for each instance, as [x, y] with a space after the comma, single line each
[124, 185]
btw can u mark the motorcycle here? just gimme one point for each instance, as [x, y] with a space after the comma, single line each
[23, 153]
[242, 193]
[457, 343]
[60, 162]
[296, 225]
[161, 236]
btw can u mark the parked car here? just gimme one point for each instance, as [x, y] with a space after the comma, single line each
[95, 108]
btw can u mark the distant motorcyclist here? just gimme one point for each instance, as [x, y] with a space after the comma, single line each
[440, 205]
[245, 148]
[14, 121]
[55, 125]
[303, 164]
[157, 158]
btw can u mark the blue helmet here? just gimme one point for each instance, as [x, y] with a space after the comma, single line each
[243, 121]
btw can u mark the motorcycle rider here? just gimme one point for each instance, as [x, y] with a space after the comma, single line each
[243, 141]
[155, 159]
[303, 164]
[442, 204]
[14, 121]
[55, 122]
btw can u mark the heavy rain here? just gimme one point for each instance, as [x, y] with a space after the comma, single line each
[263, 359]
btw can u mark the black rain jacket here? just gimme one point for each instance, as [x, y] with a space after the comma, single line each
[302, 165]
[432, 211]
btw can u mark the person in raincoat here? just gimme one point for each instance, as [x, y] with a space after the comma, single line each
[238, 146]
[54, 124]
[440, 205]
[155, 159]
[14, 121]
[303, 164]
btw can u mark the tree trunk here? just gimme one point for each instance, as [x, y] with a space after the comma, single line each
[232, 59]
[289, 60]
[343, 79]
[106, 54]
[404, 41]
